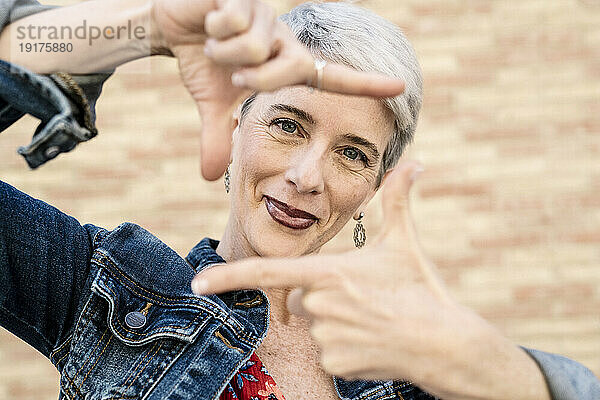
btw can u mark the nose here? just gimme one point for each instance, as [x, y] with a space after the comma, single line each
[306, 171]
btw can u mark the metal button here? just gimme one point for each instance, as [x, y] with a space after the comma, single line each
[135, 319]
[52, 151]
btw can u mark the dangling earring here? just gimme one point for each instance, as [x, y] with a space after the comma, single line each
[227, 178]
[360, 236]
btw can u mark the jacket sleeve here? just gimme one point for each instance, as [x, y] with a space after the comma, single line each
[44, 266]
[64, 103]
[566, 379]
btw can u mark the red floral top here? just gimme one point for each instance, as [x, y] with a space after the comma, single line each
[252, 382]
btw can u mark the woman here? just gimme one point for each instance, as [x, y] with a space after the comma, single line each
[117, 314]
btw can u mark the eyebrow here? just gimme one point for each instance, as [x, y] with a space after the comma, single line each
[354, 139]
[293, 110]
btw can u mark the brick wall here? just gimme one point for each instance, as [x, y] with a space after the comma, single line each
[509, 205]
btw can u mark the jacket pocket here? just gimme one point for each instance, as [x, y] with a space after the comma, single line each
[126, 338]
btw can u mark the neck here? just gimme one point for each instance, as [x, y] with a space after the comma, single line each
[234, 247]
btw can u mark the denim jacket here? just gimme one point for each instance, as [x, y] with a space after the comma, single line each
[113, 310]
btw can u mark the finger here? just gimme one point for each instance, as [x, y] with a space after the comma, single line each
[251, 48]
[259, 272]
[337, 78]
[342, 360]
[343, 79]
[233, 17]
[294, 303]
[270, 76]
[281, 72]
[215, 142]
[396, 214]
[290, 67]
[329, 305]
[396, 190]
[331, 332]
[294, 65]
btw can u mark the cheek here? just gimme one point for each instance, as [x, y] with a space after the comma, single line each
[347, 195]
[257, 157]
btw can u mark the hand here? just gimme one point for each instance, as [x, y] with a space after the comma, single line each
[245, 37]
[382, 312]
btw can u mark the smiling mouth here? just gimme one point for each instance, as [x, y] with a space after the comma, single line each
[287, 215]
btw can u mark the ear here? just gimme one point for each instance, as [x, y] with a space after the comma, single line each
[364, 204]
[235, 127]
[387, 173]
[235, 117]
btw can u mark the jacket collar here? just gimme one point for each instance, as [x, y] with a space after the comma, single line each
[204, 254]
[249, 306]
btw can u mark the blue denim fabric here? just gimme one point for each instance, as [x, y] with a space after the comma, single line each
[67, 289]
[61, 127]
[566, 379]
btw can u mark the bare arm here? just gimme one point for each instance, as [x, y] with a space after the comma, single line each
[103, 34]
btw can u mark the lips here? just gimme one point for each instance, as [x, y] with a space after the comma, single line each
[287, 215]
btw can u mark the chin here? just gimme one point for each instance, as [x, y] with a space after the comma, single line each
[268, 243]
[270, 238]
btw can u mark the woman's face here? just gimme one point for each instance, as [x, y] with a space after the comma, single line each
[303, 163]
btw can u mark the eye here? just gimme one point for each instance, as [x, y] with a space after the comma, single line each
[351, 153]
[287, 125]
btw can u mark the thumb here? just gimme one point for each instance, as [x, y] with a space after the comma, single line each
[396, 193]
[215, 140]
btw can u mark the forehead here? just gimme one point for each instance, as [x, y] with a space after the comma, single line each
[362, 116]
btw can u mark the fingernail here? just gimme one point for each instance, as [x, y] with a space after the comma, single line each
[415, 174]
[199, 286]
[237, 79]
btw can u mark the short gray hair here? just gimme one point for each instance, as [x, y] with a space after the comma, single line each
[346, 34]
